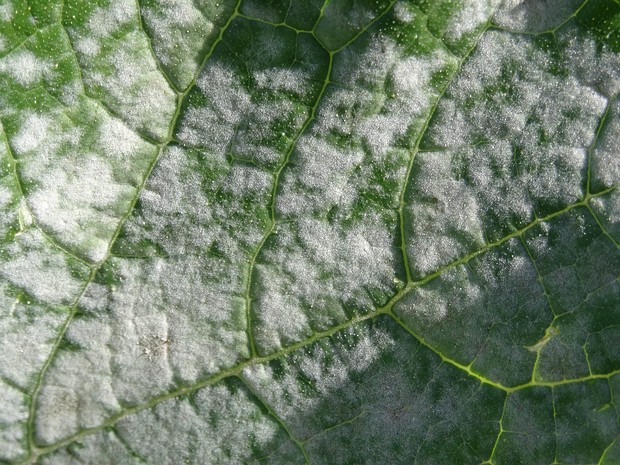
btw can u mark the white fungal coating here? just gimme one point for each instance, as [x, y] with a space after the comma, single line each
[519, 149]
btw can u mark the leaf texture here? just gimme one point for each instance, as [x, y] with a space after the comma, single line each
[314, 232]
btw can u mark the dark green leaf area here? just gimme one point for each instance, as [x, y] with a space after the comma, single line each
[602, 18]
[371, 394]
[342, 20]
[586, 421]
[577, 263]
[484, 314]
[527, 436]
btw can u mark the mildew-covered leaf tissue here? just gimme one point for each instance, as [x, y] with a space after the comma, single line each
[310, 232]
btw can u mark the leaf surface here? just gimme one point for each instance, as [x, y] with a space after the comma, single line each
[310, 232]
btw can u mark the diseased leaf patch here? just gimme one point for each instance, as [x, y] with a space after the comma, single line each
[309, 232]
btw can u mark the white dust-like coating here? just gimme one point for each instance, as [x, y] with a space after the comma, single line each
[231, 426]
[316, 267]
[9, 194]
[403, 12]
[118, 140]
[431, 306]
[13, 416]
[88, 46]
[34, 134]
[212, 125]
[122, 72]
[496, 161]
[281, 80]
[25, 67]
[72, 399]
[6, 11]
[143, 329]
[532, 91]
[181, 217]
[362, 108]
[534, 15]
[28, 332]
[178, 31]
[327, 372]
[232, 121]
[104, 21]
[593, 63]
[479, 301]
[325, 181]
[607, 210]
[103, 448]
[41, 270]
[605, 171]
[447, 219]
[252, 138]
[469, 17]
[142, 337]
[311, 273]
[78, 195]
[69, 199]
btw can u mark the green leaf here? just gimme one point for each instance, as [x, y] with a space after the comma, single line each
[318, 231]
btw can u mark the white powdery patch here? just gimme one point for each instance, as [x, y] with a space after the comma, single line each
[593, 63]
[326, 372]
[318, 268]
[212, 126]
[479, 301]
[67, 200]
[88, 46]
[445, 219]
[130, 83]
[325, 180]
[281, 79]
[174, 284]
[73, 399]
[428, 305]
[607, 210]
[78, 196]
[312, 272]
[513, 153]
[534, 15]
[106, 20]
[141, 335]
[230, 425]
[233, 121]
[13, 416]
[179, 30]
[25, 67]
[39, 269]
[6, 11]
[470, 16]
[28, 333]
[182, 214]
[535, 100]
[118, 140]
[403, 12]
[367, 113]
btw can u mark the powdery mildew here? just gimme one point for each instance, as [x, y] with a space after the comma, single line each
[219, 424]
[327, 260]
[509, 142]
[534, 15]
[119, 68]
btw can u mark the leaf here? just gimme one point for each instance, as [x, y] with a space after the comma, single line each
[310, 232]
